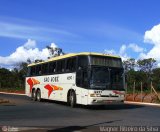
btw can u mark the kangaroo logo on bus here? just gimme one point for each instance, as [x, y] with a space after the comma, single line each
[32, 82]
[52, 88]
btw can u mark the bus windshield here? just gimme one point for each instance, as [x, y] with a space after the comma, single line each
[116, 78]
[106, 78]
[100, 75]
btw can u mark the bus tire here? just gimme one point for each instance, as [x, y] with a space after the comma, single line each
[72, 99]
[33, 96]
[38, 95]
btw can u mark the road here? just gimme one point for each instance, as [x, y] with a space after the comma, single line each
[23, 112]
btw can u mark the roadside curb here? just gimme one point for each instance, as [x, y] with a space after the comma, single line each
[12, 93]
[141, 103]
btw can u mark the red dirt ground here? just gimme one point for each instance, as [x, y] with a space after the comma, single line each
[13, 91]
[147, 98]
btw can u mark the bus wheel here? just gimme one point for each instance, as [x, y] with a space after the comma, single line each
[72, 99]
[39, 95]
[33, 96]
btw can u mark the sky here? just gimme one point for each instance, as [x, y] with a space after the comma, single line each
[128, 28]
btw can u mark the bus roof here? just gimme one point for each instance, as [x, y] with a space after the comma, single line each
[72, 55]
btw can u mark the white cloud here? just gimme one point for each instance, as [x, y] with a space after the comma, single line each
[31, 30]
[53, 45]
[152, 36]
[123, 49]
[30, 44]
[110, 51]
[135, 48]
[153, 53]
[121, 52]
[22, 53]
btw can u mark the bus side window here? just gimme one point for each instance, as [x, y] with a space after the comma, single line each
[82, 78]
[61, 66]
[85, 79]
[52, 67]
[38, 70]
[33, 70]
[71, 65]
[45, 68]
[82, 61]
[82, 72]
[29, 71]
[79, 76]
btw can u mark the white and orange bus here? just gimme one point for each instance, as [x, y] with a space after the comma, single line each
[82, 78]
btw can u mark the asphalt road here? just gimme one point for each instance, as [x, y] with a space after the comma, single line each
[23, 112]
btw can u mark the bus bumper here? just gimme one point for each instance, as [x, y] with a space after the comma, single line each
[103, 101]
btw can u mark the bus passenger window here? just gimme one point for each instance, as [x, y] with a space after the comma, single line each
[82, 61]
[45, 68]
[82, 78]
[33, 70]
[71, 65]
[29, 71]
[60, 66]
[52, 67]
[38, 70]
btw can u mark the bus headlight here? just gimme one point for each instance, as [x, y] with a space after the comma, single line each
[95, 95]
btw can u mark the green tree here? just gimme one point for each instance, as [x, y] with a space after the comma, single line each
[14, 78]
[129, 64]
[156, 78]
[20, 72]
[147, 65]
[5, 78]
